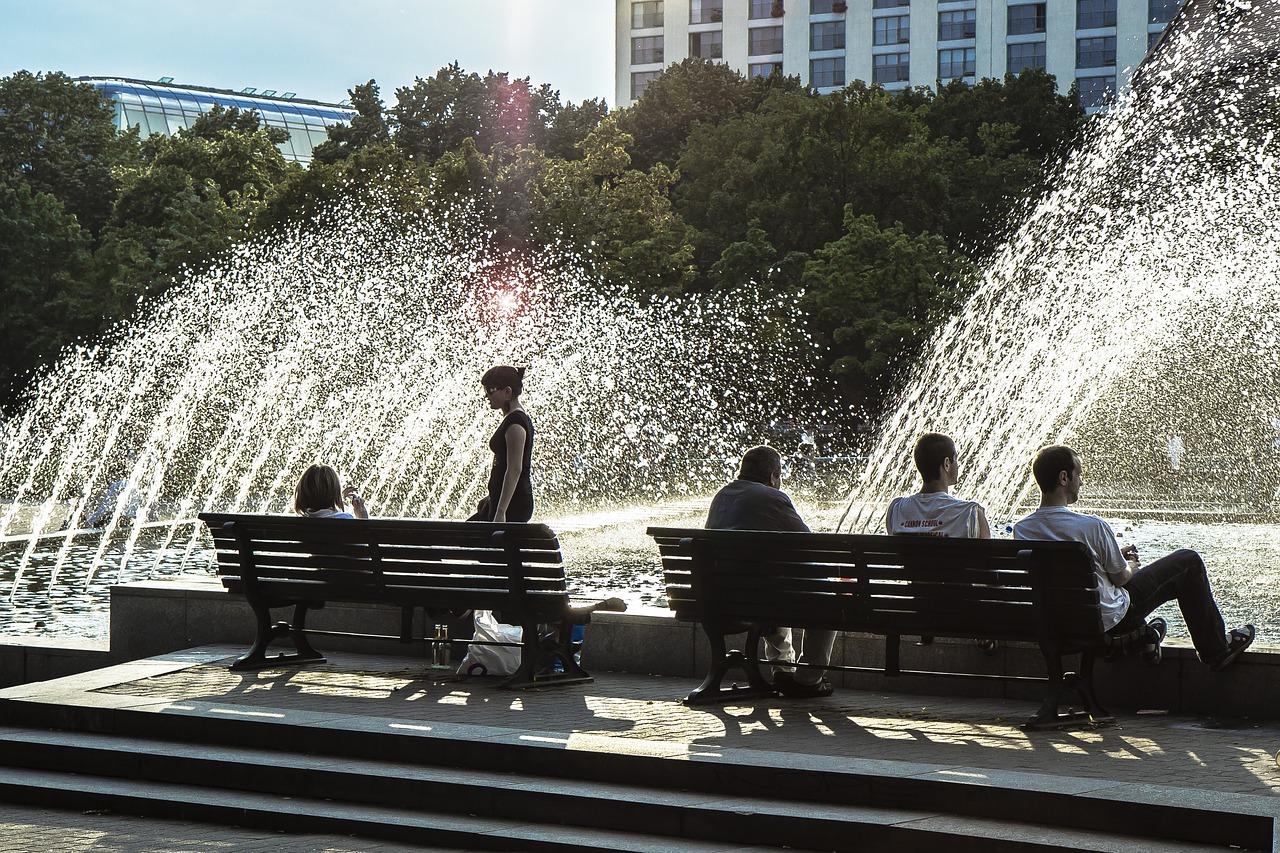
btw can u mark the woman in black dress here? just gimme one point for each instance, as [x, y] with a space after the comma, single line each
[510, 495]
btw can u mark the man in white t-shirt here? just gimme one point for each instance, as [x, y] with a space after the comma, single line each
[932, 511]
[1129, 592]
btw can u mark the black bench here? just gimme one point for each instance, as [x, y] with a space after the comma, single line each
[440, 566]
[732, 582]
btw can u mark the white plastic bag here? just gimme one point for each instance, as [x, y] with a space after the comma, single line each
[492, 660]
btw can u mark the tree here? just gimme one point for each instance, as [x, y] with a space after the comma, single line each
[45, 297]
[874, 296]
[636, 238]
[686, 94]
[195, 196]
[377, 175]
[516, 113]
[792, 166]
[570, 125]
[368, 127]
[59, 137]
[437, 114]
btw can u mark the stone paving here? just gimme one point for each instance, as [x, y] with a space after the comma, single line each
[1198, 753]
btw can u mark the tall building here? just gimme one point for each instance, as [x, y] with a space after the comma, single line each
[896, 43]
[164, 108]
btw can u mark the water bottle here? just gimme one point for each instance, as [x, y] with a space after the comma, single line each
[575, 646]
[441, 651]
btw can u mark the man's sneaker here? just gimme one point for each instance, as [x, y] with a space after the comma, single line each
[1237, 641]
[786, 684]
[1151, 654]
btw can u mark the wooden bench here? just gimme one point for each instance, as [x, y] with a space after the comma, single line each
[441, 566]
[988, 589]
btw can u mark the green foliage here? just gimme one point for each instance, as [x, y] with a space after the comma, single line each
[623, 214]
[570, 126]
[194, 196]
[436, 115]
[791, 167]
[875, 295]
[685, 95]
[367, 128]
[58, 137]
[372, 175]
[45, 301]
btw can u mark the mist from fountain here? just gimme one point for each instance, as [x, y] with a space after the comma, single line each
[1135, 303]
[361, 344]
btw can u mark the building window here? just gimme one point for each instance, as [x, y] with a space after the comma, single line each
[760, 9]
[762, 41]
[764, 69]
[891, 68]
[1024, 56]
[957, 62]
[826, 7]
[709, 45]
[825, 73]
[1162, 11]
[827, 36]
[640, 79]
[1096, 52]
[890, 4]
[1092, 14]
[1027, 18]
[706, 11]
[1095, 91]
[895, 29]
[957, 25]
[1152, 38]
[646, 50]
[647, 14]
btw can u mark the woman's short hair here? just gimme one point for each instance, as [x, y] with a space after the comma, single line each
[759, 464]
[504, 376]
[931, 451]
[1050, 462]
[319, 488]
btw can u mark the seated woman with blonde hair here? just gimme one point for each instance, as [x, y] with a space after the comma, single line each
[320, 495]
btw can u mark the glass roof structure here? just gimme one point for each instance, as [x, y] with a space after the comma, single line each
[166, 108]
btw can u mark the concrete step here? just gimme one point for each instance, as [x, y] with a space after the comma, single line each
[131, 774]
[808, 781]
[49, 789]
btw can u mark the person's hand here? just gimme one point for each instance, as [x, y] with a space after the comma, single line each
[357, 503]
[1130, 553]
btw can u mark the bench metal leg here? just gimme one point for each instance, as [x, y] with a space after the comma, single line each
[1060, 682]
[712, 690]
[537, 652]
[257, 657]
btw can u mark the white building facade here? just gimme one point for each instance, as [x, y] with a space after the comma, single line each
[896, 43]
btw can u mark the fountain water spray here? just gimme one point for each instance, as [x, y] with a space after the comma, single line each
[1136, 302]
[361, 344]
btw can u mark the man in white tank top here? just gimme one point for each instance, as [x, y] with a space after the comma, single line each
[933, 511]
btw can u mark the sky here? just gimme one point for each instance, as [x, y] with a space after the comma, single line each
[316, 48]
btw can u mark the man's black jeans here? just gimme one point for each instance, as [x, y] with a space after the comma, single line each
[1180, 576]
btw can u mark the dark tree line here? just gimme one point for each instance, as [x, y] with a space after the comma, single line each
[873, 205]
